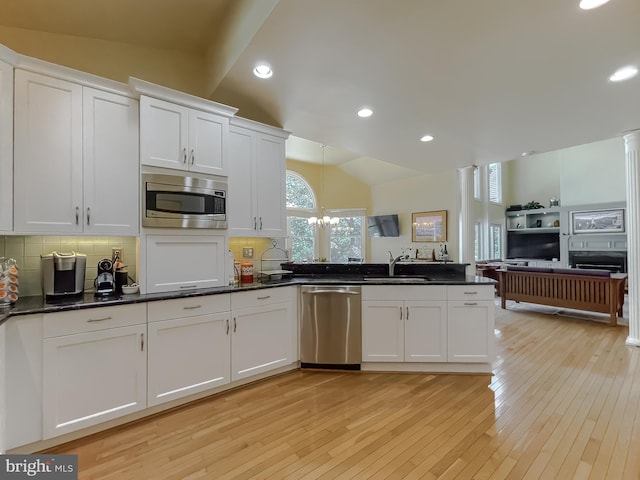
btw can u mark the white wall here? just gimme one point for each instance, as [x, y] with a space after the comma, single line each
[416, 194]
[585, 174]
[593, 173]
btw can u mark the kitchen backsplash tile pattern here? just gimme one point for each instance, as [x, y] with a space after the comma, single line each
[27, 249]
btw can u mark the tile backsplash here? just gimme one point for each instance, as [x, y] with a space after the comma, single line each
[26, 251]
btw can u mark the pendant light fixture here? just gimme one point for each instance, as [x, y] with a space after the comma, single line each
[325, 219]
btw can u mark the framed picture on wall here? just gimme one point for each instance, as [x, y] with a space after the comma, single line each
[598, 221]
[429, 226]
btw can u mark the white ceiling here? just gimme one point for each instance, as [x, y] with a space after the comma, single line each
[489, 79]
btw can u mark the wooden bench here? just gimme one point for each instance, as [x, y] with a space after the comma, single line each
[597, 291]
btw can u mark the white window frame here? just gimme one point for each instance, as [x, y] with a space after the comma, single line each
[343, 213]
[497, 181]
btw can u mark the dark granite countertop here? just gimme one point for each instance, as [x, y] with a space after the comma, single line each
[35, 305]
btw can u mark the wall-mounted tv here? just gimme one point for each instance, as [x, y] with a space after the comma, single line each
[538, 246]
[383, 225]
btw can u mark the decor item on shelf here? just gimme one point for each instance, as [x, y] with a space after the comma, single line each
[514, 208]
[556, 223]
[538, 223]
[325, 219]
[532, 206]
[554, 202]
[429, 226]
[598, 221]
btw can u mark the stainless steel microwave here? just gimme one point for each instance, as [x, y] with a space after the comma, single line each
[183, 202]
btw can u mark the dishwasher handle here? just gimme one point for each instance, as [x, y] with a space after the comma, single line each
[344, 292]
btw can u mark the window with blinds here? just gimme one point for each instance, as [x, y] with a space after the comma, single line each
[495, 183]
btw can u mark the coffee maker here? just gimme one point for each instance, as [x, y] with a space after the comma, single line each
[62, 274]
[105, 281]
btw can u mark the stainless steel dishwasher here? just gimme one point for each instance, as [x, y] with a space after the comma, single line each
[331, 328]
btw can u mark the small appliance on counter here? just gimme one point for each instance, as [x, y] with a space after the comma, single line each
[105, 281]
[62, 274]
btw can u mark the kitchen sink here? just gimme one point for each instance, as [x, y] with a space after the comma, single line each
[397, 279]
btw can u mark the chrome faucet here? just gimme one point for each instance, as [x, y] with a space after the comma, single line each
[393, 261]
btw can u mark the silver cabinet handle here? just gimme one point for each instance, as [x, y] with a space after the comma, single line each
[88, 216]
[227, 326]
[100, 319]
[184, 155]
[470, 293]
[407, 313]
[192, 307]
[142, 342]
[470, 304]
[188, 286]
[193, 157]
[260, 223]
[234, 325]
[77, 215]
[255, 223]
[401, 313]
[264, 298]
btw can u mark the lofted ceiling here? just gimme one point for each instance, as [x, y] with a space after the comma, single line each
[488, 79]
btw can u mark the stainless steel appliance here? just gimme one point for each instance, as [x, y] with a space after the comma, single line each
[184, 202]
[331, 328]
[62, 274]
[105, 281]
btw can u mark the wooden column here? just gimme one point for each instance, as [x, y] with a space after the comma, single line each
[632, 155]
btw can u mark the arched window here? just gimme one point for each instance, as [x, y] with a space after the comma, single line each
[301, 204]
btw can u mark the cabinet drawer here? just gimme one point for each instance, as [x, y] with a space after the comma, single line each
[404, 292]
[188, 307]
[470, 292]
[266, 296]
[93, 319]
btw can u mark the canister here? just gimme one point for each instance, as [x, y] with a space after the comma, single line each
[246, 272]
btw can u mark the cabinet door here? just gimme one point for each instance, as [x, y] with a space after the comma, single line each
[241, 196]
[207, 134]
[187, 355]
[271, 174]
[111, 166]
[48, 155]
[261, 339]
[470, 331]
[164, 133]
[185, 262]
[425, 331]
[93, 377]
[382, 331]
[6, 146]
[22, 351]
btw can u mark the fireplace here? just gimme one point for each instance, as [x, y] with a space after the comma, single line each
[614, 261]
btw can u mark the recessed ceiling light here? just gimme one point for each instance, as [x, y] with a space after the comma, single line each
[263, 70]
[426, 138]
[526, 154]
[590, 4]
[365, 112]
[624, 73]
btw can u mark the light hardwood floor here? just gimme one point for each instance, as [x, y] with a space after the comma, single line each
[563, 403]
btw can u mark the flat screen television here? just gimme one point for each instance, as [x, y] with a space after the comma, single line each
[383, 225]
[537, 246]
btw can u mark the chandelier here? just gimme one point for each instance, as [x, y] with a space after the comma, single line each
[325, 219]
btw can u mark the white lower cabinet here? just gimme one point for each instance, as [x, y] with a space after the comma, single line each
[22, 353]
[94, 366]
[262, 331]
[189, 346]
[396, 330]
[471, 323]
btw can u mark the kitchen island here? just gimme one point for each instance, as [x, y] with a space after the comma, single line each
[135, 355]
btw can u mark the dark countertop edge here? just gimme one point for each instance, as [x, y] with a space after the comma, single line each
[36, 304]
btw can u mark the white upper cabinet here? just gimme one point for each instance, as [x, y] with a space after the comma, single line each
[181, 138]
[76, 158]
[6, 146]
[257, 172]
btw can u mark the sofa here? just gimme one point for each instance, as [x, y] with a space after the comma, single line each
[597, 291]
